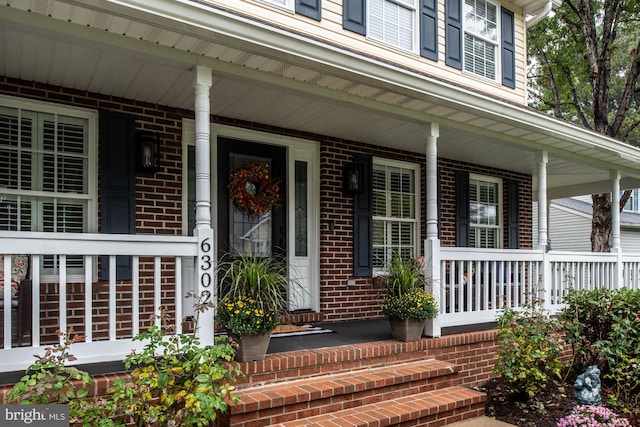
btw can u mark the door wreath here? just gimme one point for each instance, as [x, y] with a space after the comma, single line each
[251, 190]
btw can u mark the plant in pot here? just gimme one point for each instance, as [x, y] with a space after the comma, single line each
[407, 303]
[254, 294]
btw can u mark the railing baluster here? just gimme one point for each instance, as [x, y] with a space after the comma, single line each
[135, 295]
[7, 301]
[35, 300]
[88, 298]
[62, 294]
[157, 291]
[112, 298]
[178, 294]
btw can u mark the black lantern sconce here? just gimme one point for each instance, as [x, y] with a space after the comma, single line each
[147, 152]
[352, 176]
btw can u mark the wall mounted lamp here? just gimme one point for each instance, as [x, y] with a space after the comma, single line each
[352, 176]
[147, 152]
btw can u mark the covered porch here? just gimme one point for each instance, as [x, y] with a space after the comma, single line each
[216, 68]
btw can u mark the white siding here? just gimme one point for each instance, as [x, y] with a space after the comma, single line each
[567, 230]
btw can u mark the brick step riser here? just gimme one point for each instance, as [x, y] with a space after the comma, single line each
[320, 405]
[312, 397]
[258, 375]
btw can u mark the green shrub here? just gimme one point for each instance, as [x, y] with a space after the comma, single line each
[174, 381]
[603, 328]
[529, 348]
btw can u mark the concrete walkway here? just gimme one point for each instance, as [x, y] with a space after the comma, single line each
[480, 422]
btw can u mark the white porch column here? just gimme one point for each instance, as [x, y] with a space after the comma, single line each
[204, 231]
[616, 245]
[544, 285]
[615, 210]
[432, 244]
[543, 238]
[432, 134]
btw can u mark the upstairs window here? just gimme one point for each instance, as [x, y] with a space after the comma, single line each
[481, 38]
[309, 8]
[393, 22]
[410, 25]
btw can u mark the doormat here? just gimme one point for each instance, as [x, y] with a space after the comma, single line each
[295, 330]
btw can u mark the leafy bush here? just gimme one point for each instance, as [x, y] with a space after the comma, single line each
[603, 327]
[529, 348]
[592, 416]
[174, 381]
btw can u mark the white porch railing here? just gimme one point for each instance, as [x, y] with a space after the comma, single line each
[68, 290]
[473, 285]
[68, 277]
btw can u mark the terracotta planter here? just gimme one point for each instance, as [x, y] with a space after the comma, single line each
[252, 347]
[407, 329]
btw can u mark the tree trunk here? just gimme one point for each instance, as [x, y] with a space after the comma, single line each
[601, 223]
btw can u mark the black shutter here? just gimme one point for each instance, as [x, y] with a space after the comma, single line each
[462, 209]
[117, 184]
[453, 33]
[508, 48]
[309, 8]
[513, 214]
[354, 16]
[362, 223]
[429, 29]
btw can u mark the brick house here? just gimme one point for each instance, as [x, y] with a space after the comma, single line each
[122, 122]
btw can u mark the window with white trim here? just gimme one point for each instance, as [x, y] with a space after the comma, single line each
[287, 4]
[395, 210]
[45, 167]
[485, 208]
[393, 22]
[481, 38]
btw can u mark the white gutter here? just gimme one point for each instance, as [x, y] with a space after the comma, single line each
[540, 15]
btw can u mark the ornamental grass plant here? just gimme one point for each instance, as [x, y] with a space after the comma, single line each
[254, 293]
[406, 295]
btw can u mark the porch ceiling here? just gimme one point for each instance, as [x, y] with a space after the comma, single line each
[103, 47]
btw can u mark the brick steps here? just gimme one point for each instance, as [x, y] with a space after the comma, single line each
[419, 392]
[431, 408]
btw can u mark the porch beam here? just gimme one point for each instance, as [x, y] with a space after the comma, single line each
[204, 231]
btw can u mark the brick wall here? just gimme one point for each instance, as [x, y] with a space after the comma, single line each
[159, 203]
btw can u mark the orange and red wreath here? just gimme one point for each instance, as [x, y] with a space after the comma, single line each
[251, 191]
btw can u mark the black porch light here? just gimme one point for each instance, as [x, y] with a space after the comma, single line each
[147, 152]
[352, 176]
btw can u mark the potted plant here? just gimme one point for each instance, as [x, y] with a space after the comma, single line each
[254, 294]
[407, 302]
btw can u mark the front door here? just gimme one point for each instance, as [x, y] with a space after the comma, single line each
[252, 220]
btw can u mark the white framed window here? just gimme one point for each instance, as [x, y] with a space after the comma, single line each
[47, 170]
[393, 22]
[285, 4]
[485, 207]
[395, 210]
[481, 38]
[632, 203]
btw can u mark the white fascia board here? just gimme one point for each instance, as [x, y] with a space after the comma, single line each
[191, 17]
[315, 52]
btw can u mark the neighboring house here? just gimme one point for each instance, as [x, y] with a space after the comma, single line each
[570, 226]
[122, 121]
